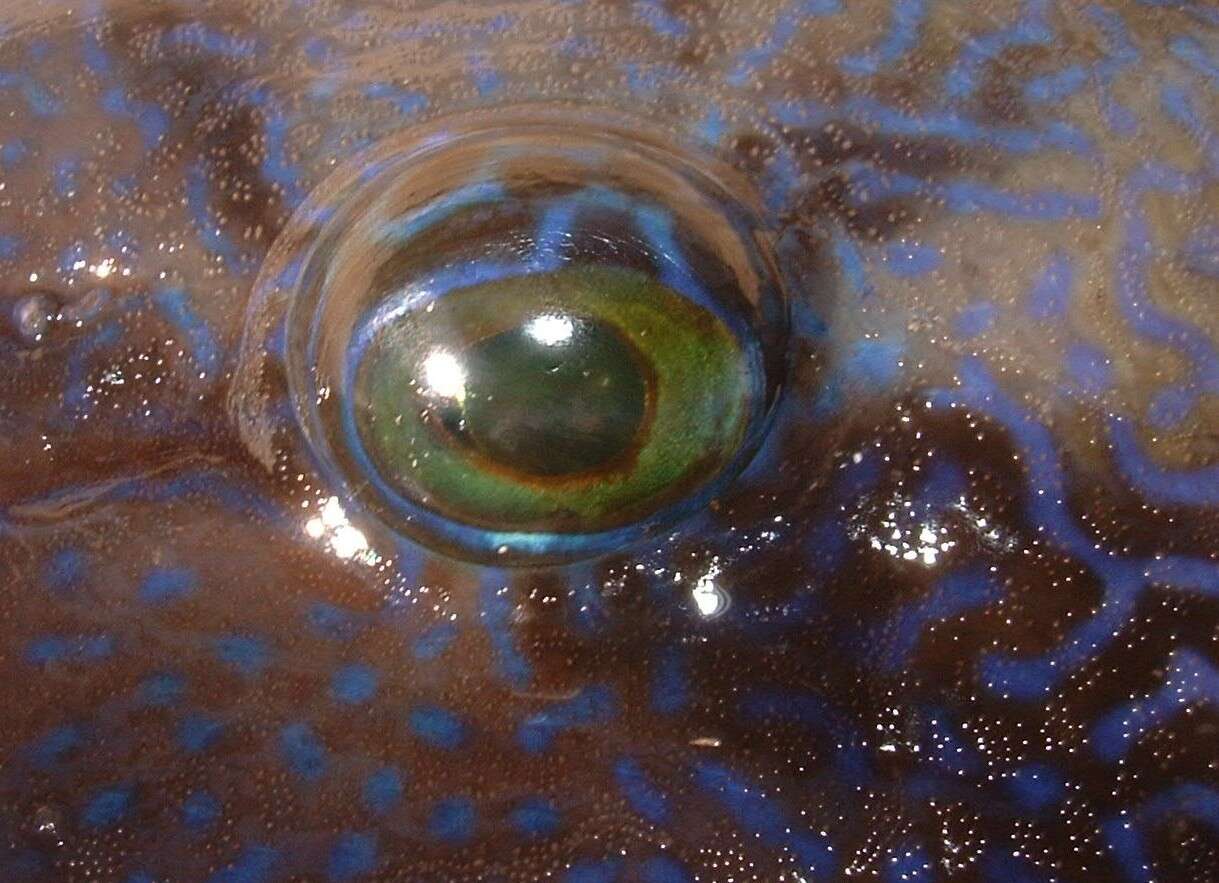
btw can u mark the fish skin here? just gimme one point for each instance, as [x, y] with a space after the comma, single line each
[966, 616]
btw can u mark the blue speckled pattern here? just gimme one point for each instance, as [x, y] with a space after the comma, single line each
[959, 619]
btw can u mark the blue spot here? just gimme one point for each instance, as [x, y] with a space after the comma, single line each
[976, 319]
[452, 820]
[332, 622]
[303, 751]
[536, 817]
[66, 570]
[1170, 406]
[664, 869]
[648, 802]
[593, 871]
[11, 247]
[670, 686]
[382, 790]
[1036, 787]
[908, 260]
[64, 178]
[109, 807]
[433, 642]
[163, 688]
[13, 152]
[1052, 289]
[590, 706]
[354, 684]
[52, 648]
[252, 866]
[1090, 368]
[246, 654]
[52, 748]
[200, 810]
[164, 585]
[437, 727]
[198, 732]
[175, 304]
[354, 855]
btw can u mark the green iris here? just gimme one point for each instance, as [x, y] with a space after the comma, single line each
[572, 401]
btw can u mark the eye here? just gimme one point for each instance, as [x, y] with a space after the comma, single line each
[528, 337]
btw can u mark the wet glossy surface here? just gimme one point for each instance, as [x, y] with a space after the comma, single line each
[958, 619]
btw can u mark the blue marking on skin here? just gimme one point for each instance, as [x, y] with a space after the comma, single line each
[303, 751]
[11, 247]
[647, 801]
[1036, 787]
[760, 815]
[751, 61]
[495, 614]
[198, 198]
[210, 42]
[53, 649]
[585, 596]
[1051, 291]
[37, 98]
[953, 595]
[200, 811]
[910, 865]
[947, 749]
[65, 178]
[888, 120]
[167, 584]
[1006, 867]
[332, 622]
[1089, 368]
[664, 869]
[977, 318]
[965, 75]
[437, 726]
[1171, 405]
[383, 790]
[536, 817]
[1057, 86]
[150, 119]
[670, 693]
[198, 733]
[594, 871]
[869, 366]
[909, 260]
[713, 127]
[66, 570]
[1190, 487]
[246, 654]
[353, 856]
[1189, 50]
[13, 153]
[354, 684]
[851, 265]
[96, 58]
[655, 16]
[452, 820]
[1124, 844]
[108, 807]
[54, 747]
[434, 642]
[256, 864]
[903, 34]
[161, 689]
[408, 102]
[487, 80]
[591, 706]
[1180, 105]
[1201, 252]
[1191, 679]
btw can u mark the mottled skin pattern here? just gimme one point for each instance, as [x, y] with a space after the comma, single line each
[972, 578]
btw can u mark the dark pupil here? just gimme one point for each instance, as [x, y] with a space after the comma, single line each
[550, 407]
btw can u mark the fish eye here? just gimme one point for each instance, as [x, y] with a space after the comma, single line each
[527, 338]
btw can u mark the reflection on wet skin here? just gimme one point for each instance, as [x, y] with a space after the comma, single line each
[643, 441]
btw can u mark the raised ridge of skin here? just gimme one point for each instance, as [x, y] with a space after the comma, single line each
[967, 596]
